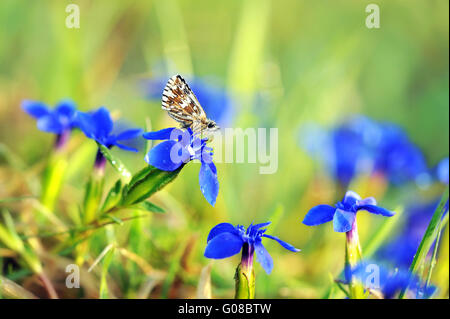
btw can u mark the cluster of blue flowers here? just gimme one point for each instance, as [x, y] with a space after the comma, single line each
[358, 146]
[363, 146]
[99, 126]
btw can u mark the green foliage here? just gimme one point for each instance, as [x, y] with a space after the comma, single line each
[432, 232]
[145, 183]
[285, 64]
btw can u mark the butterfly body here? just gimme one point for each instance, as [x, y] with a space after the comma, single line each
[182, 105]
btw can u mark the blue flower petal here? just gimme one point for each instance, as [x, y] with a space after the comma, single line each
[261, 225]
[223, 245]
[351, 198]
[219, 229]
[86, 124]
[129, 134]
[442, 171]
[343, 221]
[263, 256]
[319, 215]
[35, 109]
[126, 148]
[282, 243]
[49, 123]
[66, 108]
[160, 156]
[376, 210]
[367, 201]
[163, 134]
[209, 185]
[103, 122]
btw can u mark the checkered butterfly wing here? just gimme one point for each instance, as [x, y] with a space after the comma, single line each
[180, 102]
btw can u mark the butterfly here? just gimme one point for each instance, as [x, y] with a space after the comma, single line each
[182, 105]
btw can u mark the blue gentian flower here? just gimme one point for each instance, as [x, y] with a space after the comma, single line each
[98, 125]
[56, 121]
[216, 102]
[346, 150]
[390, 282]
[344, 213]
[442, 171]
[225, 240]
[180, 147]
[397, 157]
[363, 146]
[60, 120]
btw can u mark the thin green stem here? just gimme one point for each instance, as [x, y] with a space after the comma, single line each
[82, 229]
[435, 250]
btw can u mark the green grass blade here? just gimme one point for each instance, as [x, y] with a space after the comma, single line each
[104, 294]
[428, 238]
[435, 250]
[15, 199]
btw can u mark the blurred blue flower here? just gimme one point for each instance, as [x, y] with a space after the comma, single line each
[442, 171]
[401, 248]
[346, 150]
[378, 277]
[225, 240]
[57, 121]
[180, 147]
[216, 102]
[397, 157]
[98, 125]
[344, 212]
[361, 145]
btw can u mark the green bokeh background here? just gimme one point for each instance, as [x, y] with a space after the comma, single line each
[311, 60]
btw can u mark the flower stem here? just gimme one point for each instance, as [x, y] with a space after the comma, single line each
[94, 190]
[92, 200]
[245, 275]
[353, 256]
[53, 179]
[48, 286]
[61, 140]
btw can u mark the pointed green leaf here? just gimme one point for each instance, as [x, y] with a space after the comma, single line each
[145, 183]
[114, 196]
[150, 207]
